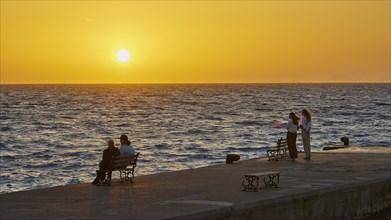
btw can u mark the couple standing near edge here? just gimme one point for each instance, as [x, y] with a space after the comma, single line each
[292, 127]
[124, 149]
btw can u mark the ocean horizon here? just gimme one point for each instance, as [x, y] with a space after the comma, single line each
[54, 134]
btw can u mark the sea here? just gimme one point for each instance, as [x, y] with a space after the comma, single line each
[53, 135]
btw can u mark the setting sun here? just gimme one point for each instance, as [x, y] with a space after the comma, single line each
[123, 55]
[169, 42]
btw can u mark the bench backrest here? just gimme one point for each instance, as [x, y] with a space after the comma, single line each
[282, 142]
[119, 162]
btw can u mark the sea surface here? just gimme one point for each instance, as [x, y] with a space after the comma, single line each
[54, 135]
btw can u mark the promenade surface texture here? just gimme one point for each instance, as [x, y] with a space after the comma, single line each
[216, 192]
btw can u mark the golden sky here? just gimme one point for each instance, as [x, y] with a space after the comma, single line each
[195, 41]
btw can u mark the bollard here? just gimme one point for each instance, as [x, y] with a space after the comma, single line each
[345, 141]
[231, 158]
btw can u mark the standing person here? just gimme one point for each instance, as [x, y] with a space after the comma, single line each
[305, 132]
[104, 163]
[291, 136]
[126, 148]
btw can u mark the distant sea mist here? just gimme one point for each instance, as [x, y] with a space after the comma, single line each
[54, 134]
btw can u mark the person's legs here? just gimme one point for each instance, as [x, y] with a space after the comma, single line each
[294, 145]
[109, 174]
[96, 180]
[291, 139]
[306, 144]
[100, 175]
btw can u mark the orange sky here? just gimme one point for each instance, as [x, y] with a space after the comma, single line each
[195, 41]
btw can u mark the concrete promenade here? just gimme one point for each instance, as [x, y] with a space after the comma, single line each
[340, 184]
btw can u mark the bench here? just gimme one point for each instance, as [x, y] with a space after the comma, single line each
[251, 182]
[279, 151]
[125, 165]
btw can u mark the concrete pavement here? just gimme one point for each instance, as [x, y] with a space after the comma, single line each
[341, 184]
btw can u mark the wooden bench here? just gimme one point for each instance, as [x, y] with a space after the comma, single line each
[125, 165]
[251, 182]
[279, 151]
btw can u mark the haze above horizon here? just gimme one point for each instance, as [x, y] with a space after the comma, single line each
[102, 42]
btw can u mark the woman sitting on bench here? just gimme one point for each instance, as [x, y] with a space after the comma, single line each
[104, 163]
[126, 147]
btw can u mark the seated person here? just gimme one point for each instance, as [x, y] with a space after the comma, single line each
[104, 163]
[126, 148]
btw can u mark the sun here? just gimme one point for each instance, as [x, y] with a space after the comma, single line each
[123, 55]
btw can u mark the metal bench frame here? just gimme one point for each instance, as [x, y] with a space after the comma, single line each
[279, 151]
[251, 182]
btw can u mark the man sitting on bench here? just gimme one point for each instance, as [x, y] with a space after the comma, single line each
[104, 163]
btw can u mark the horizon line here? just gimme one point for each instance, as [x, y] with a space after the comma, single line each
[189, 83]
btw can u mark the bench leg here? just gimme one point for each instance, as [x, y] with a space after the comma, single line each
[126, 175]
[250, 183]
[283, 153]
[272, 180]
[272, 155]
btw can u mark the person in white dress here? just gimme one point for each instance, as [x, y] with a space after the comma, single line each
[305, 132]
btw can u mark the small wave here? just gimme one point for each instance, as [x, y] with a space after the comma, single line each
[3, 147]
[38, 123]
[72, 167]
[214, 118]
[360, 135]
[42, 154]
[263, 109]
[192, 103]
[250, 123]
[161, 146]
[7, 158]
[124, 125]
[195, 131]
[6, 128]
[192, 146]
[382, 104]
[74, 181]
[384, 143]
[249, 149]
[38, 166]
[333, 123]
[3, 117]
[72, 154]
[61, 146]
[245, 135]
[201, 150]
[182, 159]
[201, 157]
[29, 179]
[244, 149]
[144, 160]
[67, 117]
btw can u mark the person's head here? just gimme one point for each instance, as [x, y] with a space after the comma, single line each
[294, 118]
[110, 143]
[124, 139]
[307, 114]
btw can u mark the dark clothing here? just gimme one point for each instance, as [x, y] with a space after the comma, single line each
[104, 163]
[107, 155]
[291, 139]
